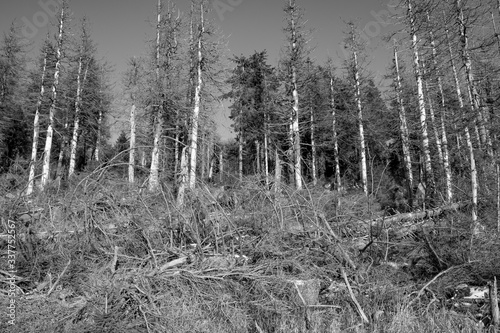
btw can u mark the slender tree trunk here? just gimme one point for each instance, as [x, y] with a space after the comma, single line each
[473, 170]
[36, 129]
[76, 123]
[295, 109]
[257, 149]
[221, 165]
[471, 86]
[432, 116]
[277, 171]
[403, 127]
[197, 104]
[313, 150]
[266, 152]
[429, 177]
[52, 110]
[131, 155]
[182, 177]
[444, 136]
[97, 151]
[64, 145]
[338, 182]
[240, 148]
[362, 146]
[154, 182]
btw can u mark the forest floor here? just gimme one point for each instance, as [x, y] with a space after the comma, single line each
[99, 255]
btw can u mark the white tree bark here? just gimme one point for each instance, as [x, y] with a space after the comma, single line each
[444, 135]
[97, 151]
[154, 182]
[432, 116]
[362, 145]
[403, 125]
[266, 152]
[52, 110]
[313, 150]
[295, 113]
[131, 156]
[334, 131]
[471, 87]
[76, 122]
[429, 177]
[197, 104]
[221, 165]
[181, 189]
[36, 129]
[472, 160]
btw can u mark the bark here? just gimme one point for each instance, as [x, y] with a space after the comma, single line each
[429, 177]
[403, 125]
[76, 122]
[362, 145]
[52, 110]
[334, 132]
[257, 149]
[472, 160]
[277, 171]
[432, 116]
[36, 129]
[295, 108]
[240, 148]
[444, 136]
[182, 178]
[221, 165]
[471, 86]
[417, 216]
[158, 118]
[266, 153]
[313, 150]
[97, 151]
[197, 104]
[131, 156]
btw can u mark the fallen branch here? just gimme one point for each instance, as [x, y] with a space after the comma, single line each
[353, 298]
[426, 214]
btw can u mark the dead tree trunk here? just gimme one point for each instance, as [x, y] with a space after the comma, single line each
[131, 156]
[197, 104]
[472, 160]
[36, 129]
[338, 182]
[471, 87]
[158, 117]
[429, 177]
[76, 121]
[403, 125]
[52, 110]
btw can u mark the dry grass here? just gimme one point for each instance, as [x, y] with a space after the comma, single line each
[104, 256]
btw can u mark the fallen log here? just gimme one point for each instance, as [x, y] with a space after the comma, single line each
[413, 216]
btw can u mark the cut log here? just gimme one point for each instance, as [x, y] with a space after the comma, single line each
[423, 215]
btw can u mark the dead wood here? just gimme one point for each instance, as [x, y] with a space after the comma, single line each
[413, 216]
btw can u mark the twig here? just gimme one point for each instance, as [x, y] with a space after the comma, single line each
[145, 319]
[353, 298]
[421, 291]
[58, 278]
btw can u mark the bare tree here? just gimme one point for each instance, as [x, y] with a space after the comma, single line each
[354, 46]
[50, 128]
[429, 177]
[403, 124]
[36, 122]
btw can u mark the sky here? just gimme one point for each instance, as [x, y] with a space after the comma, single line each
[121, 29]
